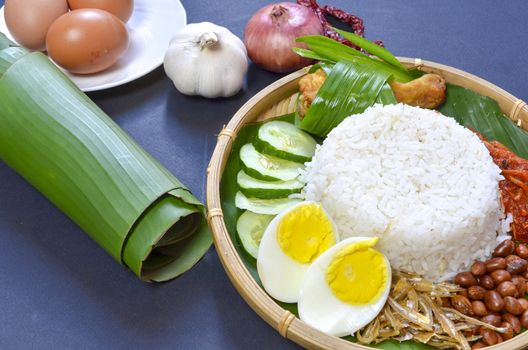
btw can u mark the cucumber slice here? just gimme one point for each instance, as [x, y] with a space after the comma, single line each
[285, 140]
[250, 228]
[255, 188]
[264, 206]
[268, 168]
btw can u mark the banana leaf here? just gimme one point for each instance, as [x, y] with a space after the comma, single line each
[483, 115]
[349, 89]
[55, 137]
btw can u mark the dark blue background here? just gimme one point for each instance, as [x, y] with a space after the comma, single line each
[59, 290]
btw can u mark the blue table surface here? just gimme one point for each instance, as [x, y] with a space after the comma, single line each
[59, 290]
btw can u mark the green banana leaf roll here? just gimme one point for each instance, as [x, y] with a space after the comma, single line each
[55, 137]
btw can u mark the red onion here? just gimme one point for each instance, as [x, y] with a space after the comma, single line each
[270, 36]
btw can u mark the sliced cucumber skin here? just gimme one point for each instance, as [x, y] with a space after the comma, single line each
[266, 148]
[290, 168]
[268, 143]
[246, 224]
[261, 193]
[254, 173]
[266, 206]
[255, 188]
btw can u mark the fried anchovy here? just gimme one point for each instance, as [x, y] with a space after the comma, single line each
[414, 311]
[449, 311]
[408, 314]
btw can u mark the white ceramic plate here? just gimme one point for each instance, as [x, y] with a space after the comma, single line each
[150, 29]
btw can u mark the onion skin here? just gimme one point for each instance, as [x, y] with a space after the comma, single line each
[270, 36]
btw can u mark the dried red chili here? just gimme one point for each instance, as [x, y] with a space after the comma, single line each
[353, 21]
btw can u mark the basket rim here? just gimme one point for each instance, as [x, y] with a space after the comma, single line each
[282, 320]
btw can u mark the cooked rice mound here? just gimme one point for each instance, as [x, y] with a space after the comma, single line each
[424, 184]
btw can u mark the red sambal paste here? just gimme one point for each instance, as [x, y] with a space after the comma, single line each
[514, 187]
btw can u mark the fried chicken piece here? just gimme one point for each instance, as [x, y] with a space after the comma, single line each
[309, 85]
[428, 91]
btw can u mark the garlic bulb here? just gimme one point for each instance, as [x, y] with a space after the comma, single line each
[206, 59]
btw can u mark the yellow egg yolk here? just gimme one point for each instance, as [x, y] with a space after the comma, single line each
[305, 233]
[358, 274]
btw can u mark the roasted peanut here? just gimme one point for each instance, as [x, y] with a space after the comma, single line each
[476, 292]
[507, 288]
[495, 264]
[509, 333]
[513, 320]
[513, 306]
[479, 308]
[446, 302]
[471, 331]
[493, 301]
[492, 319]
[524, 303]
[500, 276]
[465, 279]
[462, 304]
[505, 248]
[486, 281]
[478, 345]
[488, 336]
[521, 287]
[522, 251]
[525, 274]
[520, 284]
[524, 319]
[478, 268]
[499, 337]
[515, 265]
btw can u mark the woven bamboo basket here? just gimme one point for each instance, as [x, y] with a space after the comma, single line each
[278, 99]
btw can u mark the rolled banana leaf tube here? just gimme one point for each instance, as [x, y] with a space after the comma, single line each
[55, 137]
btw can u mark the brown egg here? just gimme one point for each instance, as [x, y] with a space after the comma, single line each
[121, 8]
[28, 21]
[87, 40]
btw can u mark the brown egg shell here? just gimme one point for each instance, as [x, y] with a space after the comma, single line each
[120, 8]
[87, 41]
[28, 21]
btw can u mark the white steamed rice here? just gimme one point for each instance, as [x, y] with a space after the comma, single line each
[421, 182]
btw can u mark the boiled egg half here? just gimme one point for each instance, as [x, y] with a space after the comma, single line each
[345, 287]
[291, 242]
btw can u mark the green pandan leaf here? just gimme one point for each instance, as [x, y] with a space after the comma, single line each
[328, 50]
[350, 88]
[376, 50]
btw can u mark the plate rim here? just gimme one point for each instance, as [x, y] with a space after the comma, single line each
[129, 79]
[280, 319]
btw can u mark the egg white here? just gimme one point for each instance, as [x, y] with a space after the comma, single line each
[281, 275]
[321, 309]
